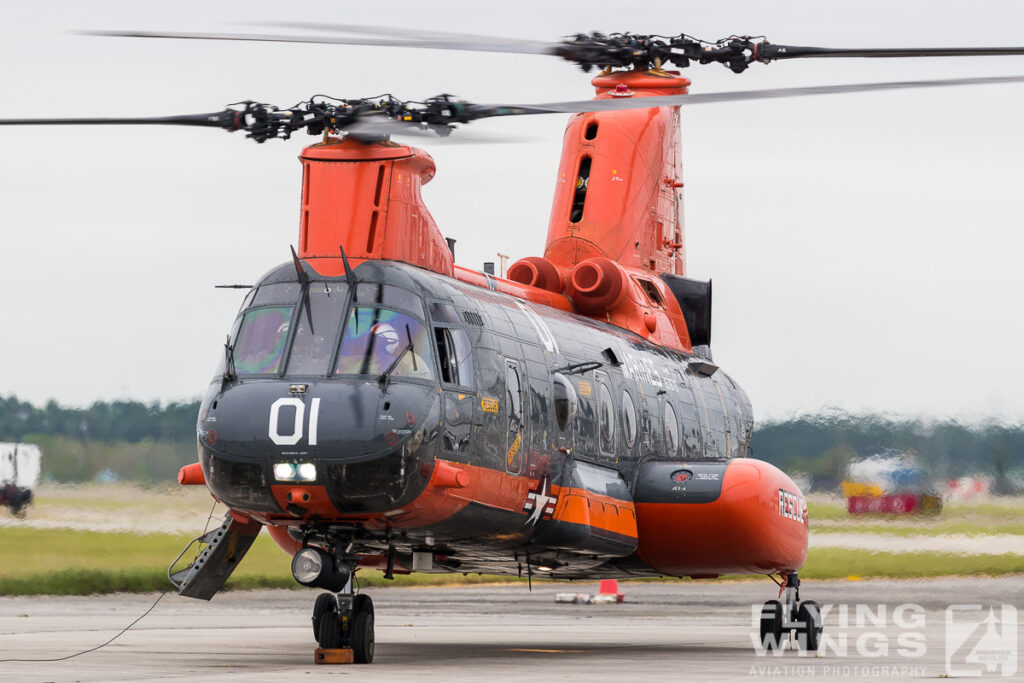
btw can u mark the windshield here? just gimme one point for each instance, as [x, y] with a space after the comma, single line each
[375, 337]
[259, 347]
[316, 328]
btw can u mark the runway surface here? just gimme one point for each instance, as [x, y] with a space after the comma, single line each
[664, 631]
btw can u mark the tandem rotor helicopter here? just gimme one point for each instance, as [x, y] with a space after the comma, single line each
[379, 407]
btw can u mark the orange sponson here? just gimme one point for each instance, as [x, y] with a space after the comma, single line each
[516, 289]
[366, 198]
[618, 190]
[192, 475]
[757, 525]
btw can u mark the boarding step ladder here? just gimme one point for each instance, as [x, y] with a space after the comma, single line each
[219, 553]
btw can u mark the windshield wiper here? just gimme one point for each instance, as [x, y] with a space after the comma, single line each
[229, 360]
[401, 354]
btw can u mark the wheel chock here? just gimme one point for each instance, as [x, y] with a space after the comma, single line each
[333, 655]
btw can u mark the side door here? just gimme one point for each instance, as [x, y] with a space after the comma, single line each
[458, 379]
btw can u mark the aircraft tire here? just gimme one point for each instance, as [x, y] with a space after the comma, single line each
[362, 637]
[325, 602]
[329, 636]
[809, 634]
[771, 625]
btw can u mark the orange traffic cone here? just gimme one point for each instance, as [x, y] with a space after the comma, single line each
[610, 587]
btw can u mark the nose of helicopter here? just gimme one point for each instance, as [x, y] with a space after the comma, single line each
[328, 447]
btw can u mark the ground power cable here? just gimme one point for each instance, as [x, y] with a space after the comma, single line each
[124, 630]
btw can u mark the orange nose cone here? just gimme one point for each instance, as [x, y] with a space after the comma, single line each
[191, 475]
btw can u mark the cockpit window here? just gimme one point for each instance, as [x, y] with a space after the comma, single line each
[259, 345]
[316, 328]
[375, 337]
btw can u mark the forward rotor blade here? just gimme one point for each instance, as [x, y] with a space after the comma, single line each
[522, 47]
[221, 119]
[621, 103]
[371, 128]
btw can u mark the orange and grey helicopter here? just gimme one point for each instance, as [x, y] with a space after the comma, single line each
[379, 407]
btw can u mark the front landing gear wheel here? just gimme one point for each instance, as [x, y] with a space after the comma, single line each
[330, 635]
[362, 638]
[809, 625]
[325, 603]
[771, 625]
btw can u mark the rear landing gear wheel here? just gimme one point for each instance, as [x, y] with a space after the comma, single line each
[771, 625]
[809, 625]
[325, 603]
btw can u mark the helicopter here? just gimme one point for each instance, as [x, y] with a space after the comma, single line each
[380, 407]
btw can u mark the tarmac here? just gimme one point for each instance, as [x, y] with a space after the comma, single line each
[906, 630]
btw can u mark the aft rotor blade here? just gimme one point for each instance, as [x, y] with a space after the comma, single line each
[621, 103]
[771, 52]
[522, 47]
[460, 41]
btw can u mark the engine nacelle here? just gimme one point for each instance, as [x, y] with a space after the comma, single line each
[712, 518]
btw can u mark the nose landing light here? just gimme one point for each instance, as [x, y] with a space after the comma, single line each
[290, 471]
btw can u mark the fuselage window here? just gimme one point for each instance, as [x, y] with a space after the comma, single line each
[316, 327]
[516, 420]
[443, 313]
[259, 346]
[378, 339]
[566, 403]
[606, 417]
[455, 355]
[628, 419]
[671, 430]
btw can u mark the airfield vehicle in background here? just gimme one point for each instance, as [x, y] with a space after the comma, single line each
[20, 465]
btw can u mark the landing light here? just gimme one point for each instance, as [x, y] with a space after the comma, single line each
[288, 471]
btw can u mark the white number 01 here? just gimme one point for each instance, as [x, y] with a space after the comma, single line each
[300, 413]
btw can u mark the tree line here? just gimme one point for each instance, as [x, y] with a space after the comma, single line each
[151, 441]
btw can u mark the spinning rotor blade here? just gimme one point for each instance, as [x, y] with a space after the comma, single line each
[620, 103]
[436, 43]
[223, 119]
[625, 50]
[371, 119]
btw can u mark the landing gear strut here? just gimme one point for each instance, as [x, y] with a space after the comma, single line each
[345, 620]
[780, 619]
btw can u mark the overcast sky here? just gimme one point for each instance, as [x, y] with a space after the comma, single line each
[865, 249]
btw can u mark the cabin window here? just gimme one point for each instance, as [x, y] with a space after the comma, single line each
[579, 198]
[566, 403]
[259, 346]
[606, 417]
[316, 327]
[628, 419]
[671, 430]
[443, 313]
[377, 339]
[455, 354]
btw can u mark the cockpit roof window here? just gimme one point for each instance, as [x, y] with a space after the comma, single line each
[375, 338]
[277, 293]
[259, 345]
[390, 296]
